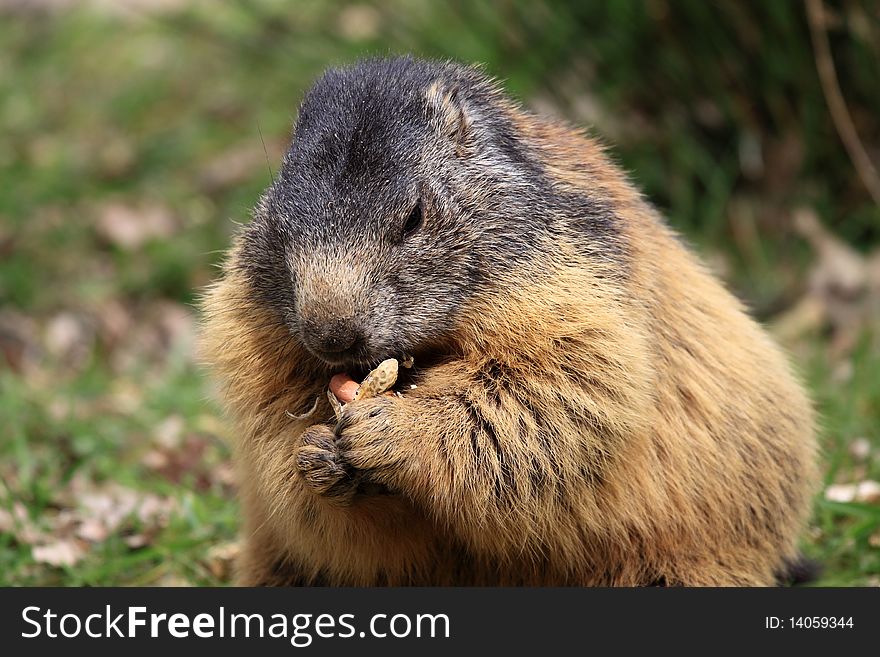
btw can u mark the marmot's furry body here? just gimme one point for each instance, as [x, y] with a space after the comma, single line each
[591, 406]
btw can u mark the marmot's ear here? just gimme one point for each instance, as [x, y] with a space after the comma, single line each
[449, 115]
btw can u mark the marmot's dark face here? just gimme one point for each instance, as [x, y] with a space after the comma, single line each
[404, 193]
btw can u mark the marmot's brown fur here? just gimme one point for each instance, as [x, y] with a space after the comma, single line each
[591, 406]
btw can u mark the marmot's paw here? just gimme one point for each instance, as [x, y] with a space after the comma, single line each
[365, 438]
[322, 467]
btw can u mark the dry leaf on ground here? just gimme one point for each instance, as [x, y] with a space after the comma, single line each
[220, 559]
[860, 449]
[867, 491]
[129, 227]
[238, 164]
[66, 552]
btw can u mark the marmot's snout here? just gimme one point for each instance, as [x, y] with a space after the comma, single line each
[332, 307]
[336, 339]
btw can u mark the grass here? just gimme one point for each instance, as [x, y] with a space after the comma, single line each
[844, 536]
[100, 396]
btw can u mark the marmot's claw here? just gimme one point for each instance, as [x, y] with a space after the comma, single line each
[368, 412]
[322, 467]
[365, 438]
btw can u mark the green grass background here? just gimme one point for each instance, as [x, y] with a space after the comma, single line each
[714, 108]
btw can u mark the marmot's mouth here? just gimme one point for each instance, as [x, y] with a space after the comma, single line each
[359, 372]
[356, 361]
[350, 361]
[411, 366]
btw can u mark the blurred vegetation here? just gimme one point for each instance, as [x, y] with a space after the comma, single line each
[137, 133]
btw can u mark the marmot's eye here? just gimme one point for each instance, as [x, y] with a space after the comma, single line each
[414, 221]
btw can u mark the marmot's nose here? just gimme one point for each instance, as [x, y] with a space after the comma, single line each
[337, 336]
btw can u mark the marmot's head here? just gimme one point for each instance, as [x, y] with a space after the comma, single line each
[406, 190]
